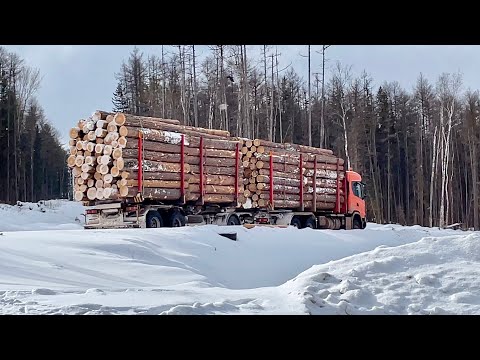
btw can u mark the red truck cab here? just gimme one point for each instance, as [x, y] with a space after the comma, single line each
[355, 199]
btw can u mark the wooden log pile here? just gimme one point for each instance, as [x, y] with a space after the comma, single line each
[296, 176]
[104, 158]
[115, 156]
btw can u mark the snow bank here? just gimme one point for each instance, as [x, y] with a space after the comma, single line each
[432, 276]
[44, 215]
[193, 270]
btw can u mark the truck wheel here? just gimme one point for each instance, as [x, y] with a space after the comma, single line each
[357, 224]
[233, 220]
[177, 219]
[296, 222]
[310, 223]
[154, 220]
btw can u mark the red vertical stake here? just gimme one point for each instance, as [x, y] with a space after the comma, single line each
[337, 200]
[302, 207]
[271, 182]
[140, 162]
[201, 171]
[182, 169]
[314, 207]
[236, 172]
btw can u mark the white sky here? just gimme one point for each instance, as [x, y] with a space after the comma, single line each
[78, 79]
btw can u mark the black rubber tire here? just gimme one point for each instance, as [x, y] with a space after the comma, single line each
[154, 220]
[310, 223]
[176, 219]
[233, 220]
[357, 224]
[296, 222]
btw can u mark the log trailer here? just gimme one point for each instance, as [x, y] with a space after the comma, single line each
[139, 212]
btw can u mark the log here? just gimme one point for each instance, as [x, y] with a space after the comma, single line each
[327, 174]
[99, 194]
[211, 198]
[132, 164]
[105, 114]
[119, 163]
[74, 132]
[158, 124]
[101, 124]
[279, 180]
[157, 184]
[107, 178]
[294, 159]
[101, 133]
[122, 142]
[169, 137]
[104, 159]
[117, 153]
[107, 192]
[79, 160]
[123, 131]
[91, 183]
[293, 147]
[99, 183]
[72, 142]
[119, 119]
[78, 195]
[99, 148]
[213, 170]
[154, 193]
[111, 128]
[97, 175]
[102, 169]
[71, 161]
[86, 168]
[307, 204]
[99, 140]
[214, 180]
[115, 172]
[215, 189]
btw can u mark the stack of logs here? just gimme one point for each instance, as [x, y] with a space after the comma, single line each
[104, 158]
[107, 164]
[293, 168]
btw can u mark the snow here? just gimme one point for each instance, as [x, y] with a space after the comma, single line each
[50, 265]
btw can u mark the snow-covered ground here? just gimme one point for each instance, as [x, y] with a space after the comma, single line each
[63, 269]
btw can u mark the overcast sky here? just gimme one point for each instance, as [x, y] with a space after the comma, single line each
[79, 79]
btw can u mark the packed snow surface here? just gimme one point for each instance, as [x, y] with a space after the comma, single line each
[50, 265]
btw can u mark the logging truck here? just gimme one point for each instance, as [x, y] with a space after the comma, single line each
[141, 213]
[144, 172]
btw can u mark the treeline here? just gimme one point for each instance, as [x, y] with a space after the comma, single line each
[417, 150]
[31, 156]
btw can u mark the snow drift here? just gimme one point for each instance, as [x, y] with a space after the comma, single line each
[194, 270]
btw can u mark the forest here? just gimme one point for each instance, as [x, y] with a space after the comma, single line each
[416, 149]
[31, 156]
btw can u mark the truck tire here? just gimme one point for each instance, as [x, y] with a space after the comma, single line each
[310, 223]
[176, 219]
[233, 220]
[296, 222]
[154, 220]
[357, 224]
